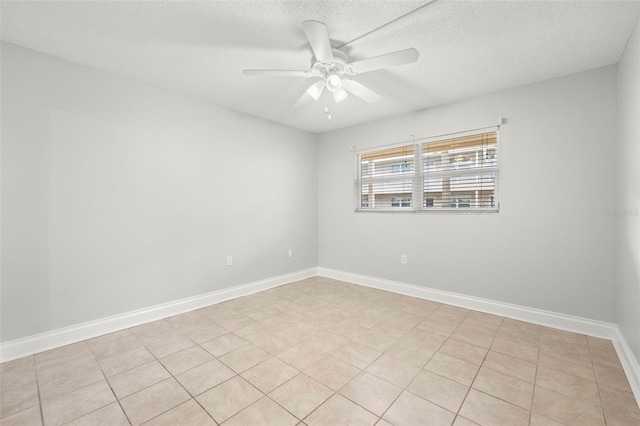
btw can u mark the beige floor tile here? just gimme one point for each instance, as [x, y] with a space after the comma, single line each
[120, 363]
[382, 422]
[185, 360]
[561, 336]
[244, 358]
[601, 344]
[611, 377]
[264, 412]
[538, 420]
[110, 347]
[439, 390]
[236, 322]
[77, 403]
[604, 357]
[241, 304]
[393, 370]
[461, 421]
[62, 355]
[571, 366]
[205, 333]
[205, 376]
[479, 326]
[487, 410]
[505, 387]
[25, 364]
[379, 339]
[576, 353]
[269, 374]
[620, 407]
[169, 345]
[440, 325]
[229, 398]
[464, 351]
[138, 378]
[60, 379]
[260, 313]
[302, 355]
[411, 410]
[422, 308]
[329, 342]
[16, 399]
[151, 331]
[349, 329]
[517, 350]
[30, 416]
[276, 342]
[301, 395]
[224, 344]
[154, 400]
[473, 337]
[453, 368]
[510, 366]
[565, 410]
[370, 392]
[111, 415]
[332, 372]
[356, 354]
[520, 335]
[339, 410]
[254, 331]
[16, 374]
[484, 317]
[569, 385]
[411, 352]
[189, 413]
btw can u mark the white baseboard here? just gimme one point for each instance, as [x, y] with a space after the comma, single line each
[64, 336]
[629, 363]
[537, 316]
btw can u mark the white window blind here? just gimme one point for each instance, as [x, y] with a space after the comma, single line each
[457, 174]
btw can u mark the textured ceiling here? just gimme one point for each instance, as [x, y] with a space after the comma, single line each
[200, 48]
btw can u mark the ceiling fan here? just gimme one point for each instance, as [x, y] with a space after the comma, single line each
[334, 70]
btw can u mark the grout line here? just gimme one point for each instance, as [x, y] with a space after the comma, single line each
[35, 372]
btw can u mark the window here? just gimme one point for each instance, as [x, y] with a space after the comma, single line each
[401, 202]
[442, 174]
[401, 168]
[460, 201]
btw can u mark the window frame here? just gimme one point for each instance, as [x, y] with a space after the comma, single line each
[418, 177]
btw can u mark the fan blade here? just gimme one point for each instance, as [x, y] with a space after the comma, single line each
[288, 73]
[360, 91]
[316, 89]
[304, 100]
[340, 95]
[312, 93]
[393, 59]
[319, 40]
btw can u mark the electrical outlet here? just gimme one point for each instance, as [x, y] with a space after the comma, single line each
[290, 253]
[403, 259]
[229, 260]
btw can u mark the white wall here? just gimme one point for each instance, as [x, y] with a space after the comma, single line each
[628, 300]
[551, 246]
[118, 196]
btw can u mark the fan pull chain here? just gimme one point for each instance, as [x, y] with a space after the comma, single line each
[326, 111]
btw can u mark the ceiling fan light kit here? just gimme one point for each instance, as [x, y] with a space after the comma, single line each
[332, 66]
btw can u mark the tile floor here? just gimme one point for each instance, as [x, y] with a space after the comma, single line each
[323, 352]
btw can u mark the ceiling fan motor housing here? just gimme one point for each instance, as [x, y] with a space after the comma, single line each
[336, 67]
